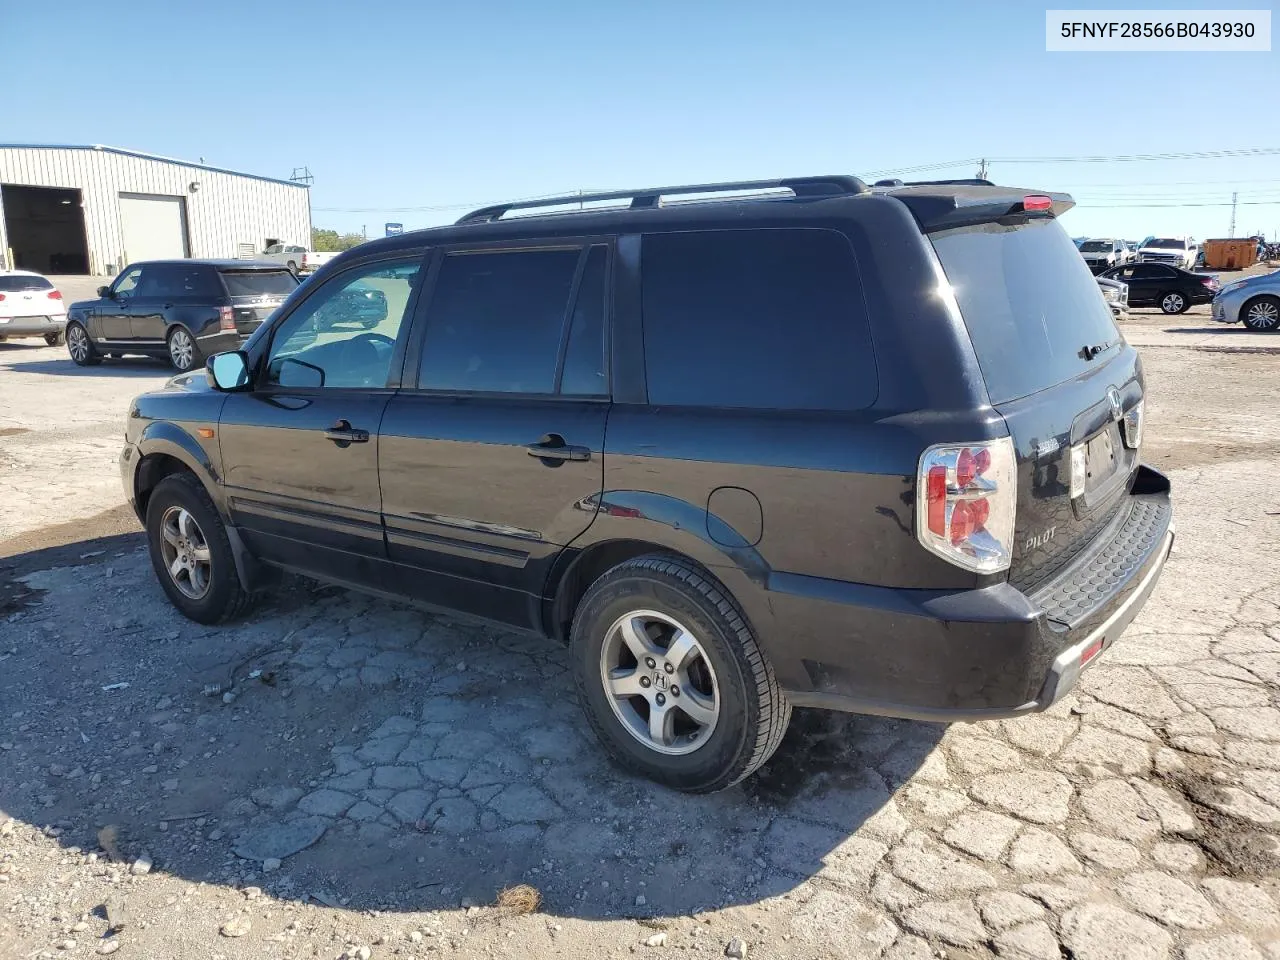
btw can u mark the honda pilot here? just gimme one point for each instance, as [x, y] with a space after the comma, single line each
[742, 447]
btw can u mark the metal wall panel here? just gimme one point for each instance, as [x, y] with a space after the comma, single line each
[224, 210]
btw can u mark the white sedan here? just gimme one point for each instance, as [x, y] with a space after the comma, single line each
[30, 306]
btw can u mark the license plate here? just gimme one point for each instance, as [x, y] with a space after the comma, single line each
[1100, 455]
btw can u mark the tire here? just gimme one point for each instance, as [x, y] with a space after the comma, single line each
[1172, 301]
[80, 347]
[750, 712]
[54, 339]
[1262, 314]
[293, 267]
[184, 353]
[216, 595]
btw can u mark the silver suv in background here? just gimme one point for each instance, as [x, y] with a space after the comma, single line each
[1253, 301]
[1104, 254]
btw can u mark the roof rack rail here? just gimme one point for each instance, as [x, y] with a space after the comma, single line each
[963, 182]
[832, 186]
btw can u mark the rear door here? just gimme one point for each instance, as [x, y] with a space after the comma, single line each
[492, 463]
[256, 294]
[1061, 375]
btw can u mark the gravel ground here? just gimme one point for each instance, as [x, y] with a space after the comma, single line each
[337, 775]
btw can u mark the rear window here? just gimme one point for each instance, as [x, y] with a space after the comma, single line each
[14, 284]
[259, 283]
[1028, 301]
[764, 319]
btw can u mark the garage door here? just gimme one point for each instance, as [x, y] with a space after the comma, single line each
[154, 227]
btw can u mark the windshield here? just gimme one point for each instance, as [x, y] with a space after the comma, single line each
[1095, 246]
[16, 282]
[1169, 244]
[260, 283]
[1029, 303]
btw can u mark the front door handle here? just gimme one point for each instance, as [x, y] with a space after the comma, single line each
[553, 447]
[342, 433]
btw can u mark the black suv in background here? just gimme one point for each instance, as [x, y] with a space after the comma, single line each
[1170, 288]
[808, 443]
[185, 310]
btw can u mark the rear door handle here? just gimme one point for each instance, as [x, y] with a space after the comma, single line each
[553, 447]
[342, 433]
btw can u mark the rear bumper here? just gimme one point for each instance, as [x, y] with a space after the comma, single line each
[977, 654]
[33, 326]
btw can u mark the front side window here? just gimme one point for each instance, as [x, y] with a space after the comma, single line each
[765, 319]
[496, 319]
[127, 282]
[344, 334]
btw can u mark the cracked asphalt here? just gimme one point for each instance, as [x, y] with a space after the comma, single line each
[338, 775]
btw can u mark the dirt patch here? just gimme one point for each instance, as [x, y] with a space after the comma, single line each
[1233, 847]
[13, 431]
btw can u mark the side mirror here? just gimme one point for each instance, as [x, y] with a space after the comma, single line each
[228, 372]
[104, 293]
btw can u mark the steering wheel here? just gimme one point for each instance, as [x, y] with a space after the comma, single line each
[366, 355]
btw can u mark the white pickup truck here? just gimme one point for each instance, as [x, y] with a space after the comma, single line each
[298, 259]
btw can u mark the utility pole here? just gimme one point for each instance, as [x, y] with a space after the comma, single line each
[982, 169]
[1231, 232]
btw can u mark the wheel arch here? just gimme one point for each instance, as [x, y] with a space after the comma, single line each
[739, 571]
[165, 449]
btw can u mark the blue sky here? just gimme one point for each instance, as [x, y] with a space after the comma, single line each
[397, 105]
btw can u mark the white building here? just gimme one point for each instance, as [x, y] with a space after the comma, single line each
[94, 209]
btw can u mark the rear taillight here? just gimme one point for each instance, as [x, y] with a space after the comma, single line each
[1, 296]
[965, 501]
[1133, 427]
[226, 318]
[55, 295]
[1210, 282]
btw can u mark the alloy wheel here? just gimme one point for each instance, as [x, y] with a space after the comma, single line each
[78, 344]
[181, 349]
[1263, 315]
[186, 552]
[1172, 303]
[660, 682]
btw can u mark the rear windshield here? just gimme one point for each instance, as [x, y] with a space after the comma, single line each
[1029, 302]
[14, 284]
[259, 283]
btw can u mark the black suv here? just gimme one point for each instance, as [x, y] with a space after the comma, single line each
[814, 443]
[185, 310]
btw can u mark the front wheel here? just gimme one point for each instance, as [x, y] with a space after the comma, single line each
[183, 352]
[672, 678]
[1173, 302]
[191, 553]
[1262, 314]
[81, 347]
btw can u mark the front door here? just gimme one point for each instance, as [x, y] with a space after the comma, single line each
[112, 314]
[300, 452]
[491, 459]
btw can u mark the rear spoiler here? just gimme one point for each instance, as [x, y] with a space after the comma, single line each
[964, 205]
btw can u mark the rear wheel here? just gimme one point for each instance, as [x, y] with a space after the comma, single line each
[1262, 314]
[81, 347]
[1173, 302]
[183, 352]
[191, 553]
[672, 679]
[53, 339]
